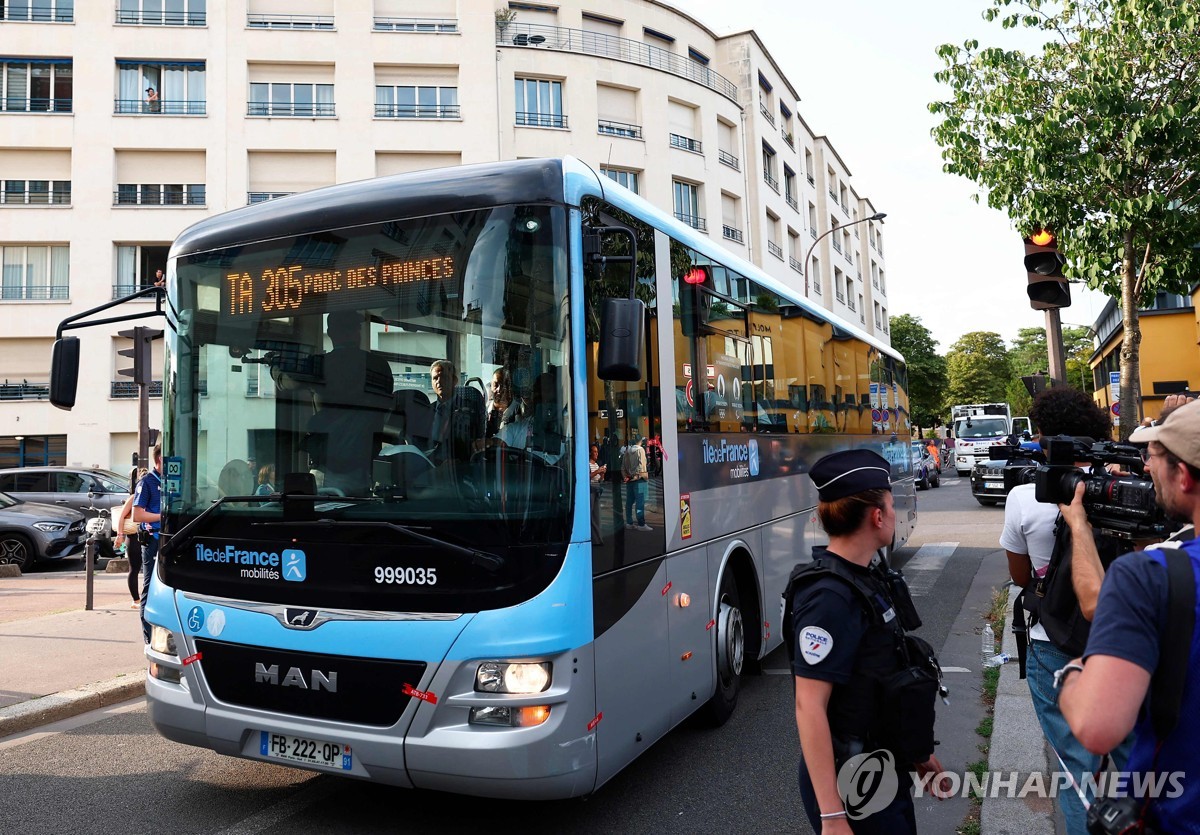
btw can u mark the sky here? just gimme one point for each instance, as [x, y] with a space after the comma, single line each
[864, 71]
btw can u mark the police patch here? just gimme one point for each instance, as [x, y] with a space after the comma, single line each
[815, 644]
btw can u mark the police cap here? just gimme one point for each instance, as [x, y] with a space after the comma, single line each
[851, 471]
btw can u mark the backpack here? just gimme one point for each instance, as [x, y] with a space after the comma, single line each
[632, 461]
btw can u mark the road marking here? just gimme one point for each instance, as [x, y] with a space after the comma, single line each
[955, 670]
[926, 566]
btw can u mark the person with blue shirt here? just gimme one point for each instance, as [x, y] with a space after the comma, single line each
[1103, 695]
[147, 513]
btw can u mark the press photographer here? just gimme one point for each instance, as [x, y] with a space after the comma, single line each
[1053, 599]
[1143, 642]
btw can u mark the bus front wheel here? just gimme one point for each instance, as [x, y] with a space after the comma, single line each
[731, 651]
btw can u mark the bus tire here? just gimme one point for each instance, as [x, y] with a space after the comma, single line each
[730, 654]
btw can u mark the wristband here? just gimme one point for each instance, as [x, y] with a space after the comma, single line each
[833, 815]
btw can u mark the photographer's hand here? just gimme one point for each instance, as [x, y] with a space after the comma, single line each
[1087, 574]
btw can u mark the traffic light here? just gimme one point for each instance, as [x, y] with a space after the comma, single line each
[694, 302]
[139, 353]
[1035, 384]
[1048, 288]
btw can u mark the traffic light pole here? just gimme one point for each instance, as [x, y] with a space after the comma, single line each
[1054, 347]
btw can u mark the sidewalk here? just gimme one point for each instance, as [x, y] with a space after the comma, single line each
[58, 660]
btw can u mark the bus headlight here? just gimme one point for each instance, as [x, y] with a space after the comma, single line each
[162, 640]
[510, 717]
[505, 677]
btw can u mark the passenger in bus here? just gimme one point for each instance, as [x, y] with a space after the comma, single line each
[458, 416]
[540, 430]
[504, 407]
[353, 395]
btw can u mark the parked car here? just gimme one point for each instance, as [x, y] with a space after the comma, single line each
[30, 531]
[925, 468]
[69, 487]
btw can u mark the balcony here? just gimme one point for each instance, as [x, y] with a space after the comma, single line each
[833, 194]
[841, 296]
[417, 111]
[24, 390]
[160, 17]
[731, 233]
[775, 249]
[695, 221]
[795, 265]
[59, 195]
[170, 194]
[850, 303]
[837, 246]
[128, 390]
[765, 111]
[559, 39]
[531, 119]
[34, 293]
[790, 140]
[418, 25]
[685, 143]
[812, 231]
[36, 104]
[849, 253]
[811, 181]
[770, 180]
[844, 209]
[289, 21]
[120, 291]
[263, 196]
[308, 109]
[623, 129]
[27, 13]
[729, 159]
[163, 107]
[791, 201]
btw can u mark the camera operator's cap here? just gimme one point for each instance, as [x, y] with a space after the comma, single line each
[842, 474]
[1179, 433]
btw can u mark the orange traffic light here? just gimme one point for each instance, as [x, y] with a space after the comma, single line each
[1048, 288]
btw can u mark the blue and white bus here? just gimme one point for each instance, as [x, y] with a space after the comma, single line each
[361, 574]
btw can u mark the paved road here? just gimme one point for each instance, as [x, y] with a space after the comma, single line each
[109, 772]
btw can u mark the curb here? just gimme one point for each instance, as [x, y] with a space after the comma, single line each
[10, 570]
[67, 703]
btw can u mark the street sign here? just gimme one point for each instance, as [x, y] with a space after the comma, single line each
[1114, 385]
[1116, 409]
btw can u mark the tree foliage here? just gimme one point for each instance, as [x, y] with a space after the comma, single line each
[926, 370]
[1097, 136]
[977, 370]
[1028, 355]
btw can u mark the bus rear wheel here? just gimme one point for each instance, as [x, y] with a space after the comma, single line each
[731, 652]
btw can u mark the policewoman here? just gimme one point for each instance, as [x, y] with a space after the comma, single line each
[864, 688]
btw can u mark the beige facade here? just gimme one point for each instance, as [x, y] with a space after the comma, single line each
[259, 98]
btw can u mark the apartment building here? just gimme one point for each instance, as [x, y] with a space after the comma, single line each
[122, 124]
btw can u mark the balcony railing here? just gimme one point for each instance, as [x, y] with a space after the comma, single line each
[731, 233]
[24, 390]
[532, 119]
[775, 249]
[791, 201]
[686, 143]
[766, 112]
[120, 291]
[289, 21]
[841, 296]
[694, 221]
[156, 195]
[837, 246]
[844, 209]
[849, 253]
[420, 25]
[416, 111]
[34, 293]
[54, 197]
[812, 231]
[811, 181]
[128, 390]
[816, 284]
[37, 104]
[795, 265]
[163, 107]
[161, 17]
[599, 44]
[729, 159]
[850, 303]
[770, 180]
[269, 108]
[263, 196]
[609, 128]
[833, 194]
[790, 140]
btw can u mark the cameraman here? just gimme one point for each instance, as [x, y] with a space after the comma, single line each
[1028, 539]
[1103, 703]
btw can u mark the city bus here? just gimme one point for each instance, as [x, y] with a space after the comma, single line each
[359, 576]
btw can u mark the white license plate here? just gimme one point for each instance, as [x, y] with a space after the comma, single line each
[993, 485]
[298, 749]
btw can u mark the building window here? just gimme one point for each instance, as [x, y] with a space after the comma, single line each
[769, 167]
[405, 102]
[687, 204]
[159, 194]
[41, 86]
[629, 179]
[166, 89]
[30, 450]
[38, 11]
[160, 13]
[789, 187]
[34, 273]
[815, 278]
[136, 266]
[539, 103]
[36, 191]
[290, 99]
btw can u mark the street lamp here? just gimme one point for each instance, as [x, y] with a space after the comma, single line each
[879, 216]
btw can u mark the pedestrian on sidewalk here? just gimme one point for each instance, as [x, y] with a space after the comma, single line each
[633, 470]
[147, 512]
[127, 536]
[847, 627]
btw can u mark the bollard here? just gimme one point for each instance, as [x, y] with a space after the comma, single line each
[89, 567]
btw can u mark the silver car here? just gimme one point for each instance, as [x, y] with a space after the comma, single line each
[67, 487]
[31, 532]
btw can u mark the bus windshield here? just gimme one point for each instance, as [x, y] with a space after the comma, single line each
[412, 374]
[981, 427]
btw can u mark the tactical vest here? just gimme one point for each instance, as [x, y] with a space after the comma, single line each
[889, 700]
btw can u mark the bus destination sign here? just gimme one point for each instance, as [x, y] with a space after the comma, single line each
[294, 289]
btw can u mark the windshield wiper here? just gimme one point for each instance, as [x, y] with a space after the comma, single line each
[484, 559]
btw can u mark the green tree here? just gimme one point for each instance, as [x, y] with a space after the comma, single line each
[1028, 355]
[977, 369]
[1096, 136]
[926, 370]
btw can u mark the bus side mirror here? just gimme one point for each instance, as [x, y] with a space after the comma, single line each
[64, 372]
[622, 332]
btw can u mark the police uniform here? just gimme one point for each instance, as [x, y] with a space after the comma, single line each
[848, 629]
